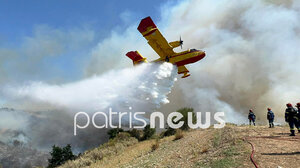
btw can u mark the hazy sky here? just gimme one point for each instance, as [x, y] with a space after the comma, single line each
[52, 40]
[19, 17]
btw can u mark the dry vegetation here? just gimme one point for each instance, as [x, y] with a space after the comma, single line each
[155, 145]
[208, 148]
[18, 155]
[106, 151]
[179, 134]
[195, 148]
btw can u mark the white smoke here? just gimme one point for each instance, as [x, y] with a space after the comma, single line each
[252, 54]
[10, 130]
[144, 88]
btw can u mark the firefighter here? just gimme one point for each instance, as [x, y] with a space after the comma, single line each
[291, 118]
[298, 115]
[270, 117]
[251, 117]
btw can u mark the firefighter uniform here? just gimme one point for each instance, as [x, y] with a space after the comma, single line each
[251, 117]
[270, 117]
[292, 119]
[298, 116]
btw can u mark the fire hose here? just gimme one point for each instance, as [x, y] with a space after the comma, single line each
[252, 153]
[267, 137]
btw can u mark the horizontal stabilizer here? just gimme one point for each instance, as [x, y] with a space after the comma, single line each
[136, 57]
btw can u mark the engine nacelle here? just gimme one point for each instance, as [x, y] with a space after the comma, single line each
[175, 44]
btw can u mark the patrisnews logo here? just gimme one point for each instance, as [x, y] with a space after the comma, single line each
[173, 120]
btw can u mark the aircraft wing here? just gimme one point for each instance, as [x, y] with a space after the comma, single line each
[155, 39]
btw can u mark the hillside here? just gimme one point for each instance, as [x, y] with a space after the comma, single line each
[226, 147]
[18, 155]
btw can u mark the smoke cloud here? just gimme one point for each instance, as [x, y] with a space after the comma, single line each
[251, 55]
[143, 88]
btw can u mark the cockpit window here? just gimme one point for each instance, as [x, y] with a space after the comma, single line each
[193, 49]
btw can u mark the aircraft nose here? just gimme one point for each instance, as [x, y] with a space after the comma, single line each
[202, 54]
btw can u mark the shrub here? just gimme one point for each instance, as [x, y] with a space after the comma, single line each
[184, 112]
[96, 155]
[114, 132]
[155, 145]
[148, 132]
[217, 139]
[169, 132]
[179, 134]
[84, 162]
[60, 156]
[123, 136]
[136, 134]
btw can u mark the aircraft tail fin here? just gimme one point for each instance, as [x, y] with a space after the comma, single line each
[136, 57]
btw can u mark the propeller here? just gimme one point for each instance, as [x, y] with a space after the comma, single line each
[181, 42]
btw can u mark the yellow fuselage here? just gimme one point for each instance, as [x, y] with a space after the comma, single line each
[164, 49]
[185, 57]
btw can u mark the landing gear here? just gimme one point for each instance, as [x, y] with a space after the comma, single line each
[167, 59]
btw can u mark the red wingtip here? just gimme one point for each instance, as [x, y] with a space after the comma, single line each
[145, 23]
[134, 56]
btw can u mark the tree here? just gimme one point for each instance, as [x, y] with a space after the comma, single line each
[60, 155]
[148, 132]
[184, 111]
[67, 153]
[138, 134]
[114, 132]
[169, 132]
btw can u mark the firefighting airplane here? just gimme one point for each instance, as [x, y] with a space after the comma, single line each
[164, 49]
